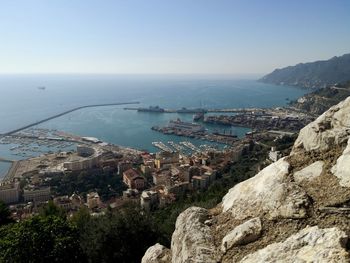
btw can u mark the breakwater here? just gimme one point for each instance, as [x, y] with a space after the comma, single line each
[6, 160]
[66, 112]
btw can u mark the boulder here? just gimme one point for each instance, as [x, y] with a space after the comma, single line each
[332, 127]
[243, 234]
[192, 240]
[342, 168]
[270, 192]
[309, 245]
[310, 172]
[157, 254]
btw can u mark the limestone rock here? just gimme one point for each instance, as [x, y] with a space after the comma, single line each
[332, 127]
[310, 172]
[308, 245]
[270, 191]
[157, 254]
[243, 234]
[192, 240]
[342, 167]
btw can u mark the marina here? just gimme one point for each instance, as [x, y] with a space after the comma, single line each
[183, 147]
[33, 142]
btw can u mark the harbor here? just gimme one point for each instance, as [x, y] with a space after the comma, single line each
[183, 147]
[66, 112]
[195, 131]
[157, 109]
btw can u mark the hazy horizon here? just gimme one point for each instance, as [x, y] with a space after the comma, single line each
[169, 37]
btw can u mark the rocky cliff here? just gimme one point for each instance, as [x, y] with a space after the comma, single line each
[295, 210]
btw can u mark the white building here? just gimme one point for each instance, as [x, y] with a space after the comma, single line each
[149, 200]
[274, 155]
[37, 194]
[9, 193]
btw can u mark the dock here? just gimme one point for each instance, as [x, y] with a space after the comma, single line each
[64, 113]
[4, 160]
[228, 110]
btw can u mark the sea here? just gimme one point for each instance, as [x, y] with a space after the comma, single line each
[23, 102]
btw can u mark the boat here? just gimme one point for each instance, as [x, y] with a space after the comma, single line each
[42, 87]
[186, 126]
[198, 116]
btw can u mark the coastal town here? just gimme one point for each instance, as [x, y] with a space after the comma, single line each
[151, 180]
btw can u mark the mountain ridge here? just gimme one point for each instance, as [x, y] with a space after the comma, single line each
[314, 75]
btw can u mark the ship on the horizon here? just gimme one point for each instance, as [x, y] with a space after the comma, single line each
[41, 87]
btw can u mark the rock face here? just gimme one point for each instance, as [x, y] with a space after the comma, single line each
[255, 196]
[192, 240]
[309, 187]
[331, 128]
[310, 172]
[342, 167]
[309, 245]
[242, 234]
[157, 253]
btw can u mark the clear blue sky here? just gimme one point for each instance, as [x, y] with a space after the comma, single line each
[163, 36]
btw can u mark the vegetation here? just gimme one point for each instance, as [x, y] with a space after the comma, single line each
[313, 75]
[320, 100]
[40, 239]
[5, 216]
[107, 184]
[52, 210]
[120, 236]
[123, 236]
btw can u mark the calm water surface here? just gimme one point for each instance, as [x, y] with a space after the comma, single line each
[21, 102]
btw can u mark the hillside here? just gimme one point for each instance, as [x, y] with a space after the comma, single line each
[294, 210]
[318, 74]
[320, 100]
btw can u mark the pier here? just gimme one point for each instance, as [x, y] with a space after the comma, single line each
[66, 112]
[4, 160]
[189, 111]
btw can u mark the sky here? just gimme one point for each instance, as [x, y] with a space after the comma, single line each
[169, 36]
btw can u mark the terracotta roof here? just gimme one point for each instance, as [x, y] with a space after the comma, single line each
[131, 174]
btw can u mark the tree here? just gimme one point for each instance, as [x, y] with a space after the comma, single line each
[81, 218]
[40, 239]
[123, 236]
[5, 215]
[50, 209]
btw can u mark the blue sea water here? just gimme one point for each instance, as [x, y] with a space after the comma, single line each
[21, 102]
